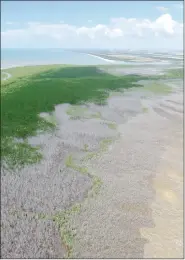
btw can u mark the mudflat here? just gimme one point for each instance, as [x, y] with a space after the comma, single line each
[109, 184]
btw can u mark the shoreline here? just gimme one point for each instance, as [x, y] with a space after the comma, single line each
[111, 61]
[106, 60]
[31, 65]
[40, 63]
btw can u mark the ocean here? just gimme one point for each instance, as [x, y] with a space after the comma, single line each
[23, 57]
[26, 57]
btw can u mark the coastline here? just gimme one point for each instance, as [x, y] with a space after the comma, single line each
[68, 58]
[30, 65]
[47, 58]
[111, 61]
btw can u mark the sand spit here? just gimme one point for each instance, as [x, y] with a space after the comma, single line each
[98, 57]
[122, 218]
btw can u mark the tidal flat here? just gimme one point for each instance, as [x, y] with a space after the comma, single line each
[82, 152]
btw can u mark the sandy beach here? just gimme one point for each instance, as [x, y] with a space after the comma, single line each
[96, 56]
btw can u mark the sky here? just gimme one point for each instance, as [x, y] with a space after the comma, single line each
[92, 24]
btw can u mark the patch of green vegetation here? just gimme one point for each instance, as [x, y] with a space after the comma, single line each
[43, 87]
[76, 111]
[97, 182]
[70, 163]
[114, 94]
[96, 115]
[61, 219]
[86, 147]
[42, 216]
[26, 71]
[145, 109]
[18, 154]
[174, 73]
[84, 115]
[51, 119]
[90, 156]
[76, 208]
[112, 125]
[73, 72]
[169, 74]
[104, 144]
[158, 88]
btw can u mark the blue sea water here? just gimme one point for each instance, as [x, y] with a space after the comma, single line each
[23, 57]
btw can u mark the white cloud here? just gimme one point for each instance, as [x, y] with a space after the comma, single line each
[118, 31]
[166, 25]
[162, 9]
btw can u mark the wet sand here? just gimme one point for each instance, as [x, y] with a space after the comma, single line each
[138, 211]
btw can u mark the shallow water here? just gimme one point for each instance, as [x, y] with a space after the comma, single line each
[25, 57]
[22, 57]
